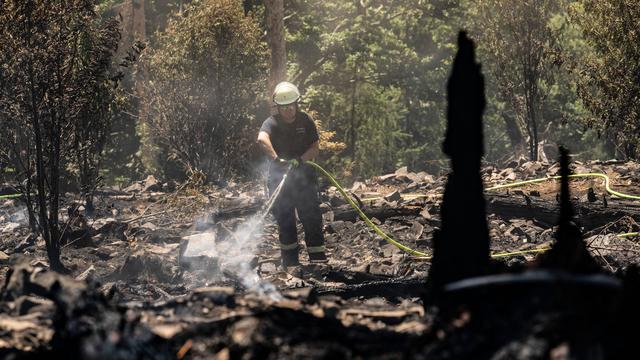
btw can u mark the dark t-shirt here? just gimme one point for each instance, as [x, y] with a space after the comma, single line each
[290, 141]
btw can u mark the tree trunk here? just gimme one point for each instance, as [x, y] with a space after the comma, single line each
[531, 101]
[351, 143]
[513, 132]
[534, 128]
[274, 16]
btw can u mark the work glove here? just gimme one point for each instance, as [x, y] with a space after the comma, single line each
[293, 162]
[296, 162]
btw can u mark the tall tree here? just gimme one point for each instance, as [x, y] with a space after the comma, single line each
[274, 19]
[609, 77]
[374, 71]
[516, 40]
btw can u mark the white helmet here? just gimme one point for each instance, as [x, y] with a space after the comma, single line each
[285, 93]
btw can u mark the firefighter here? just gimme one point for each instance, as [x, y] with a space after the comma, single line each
[289, 138]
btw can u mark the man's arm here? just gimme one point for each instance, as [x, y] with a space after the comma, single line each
[312, 152]
[265, 144]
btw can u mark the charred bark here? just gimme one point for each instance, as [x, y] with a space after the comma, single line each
[588, 215]
[461, 247]
[347, 213]
[569, 252]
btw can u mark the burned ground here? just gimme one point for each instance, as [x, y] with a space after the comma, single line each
[140, 291]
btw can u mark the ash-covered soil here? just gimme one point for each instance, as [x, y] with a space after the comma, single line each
[157, 272]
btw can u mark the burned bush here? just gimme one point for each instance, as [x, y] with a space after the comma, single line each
[56, 86]
[204, 81]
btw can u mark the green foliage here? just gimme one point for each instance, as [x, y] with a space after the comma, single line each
[518, 44]
[608, 75]
[104, 5]
[204, 79]
[376, 73]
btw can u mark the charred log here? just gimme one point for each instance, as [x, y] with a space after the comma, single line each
[589, 216]
[347, 213]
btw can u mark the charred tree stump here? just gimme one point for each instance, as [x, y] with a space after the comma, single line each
[569, 252]
[461, 247]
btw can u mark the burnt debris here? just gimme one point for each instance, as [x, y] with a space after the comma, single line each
[461, 246]
[569, 253]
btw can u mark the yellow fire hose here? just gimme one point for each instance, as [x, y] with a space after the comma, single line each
[10, 196]
[423, 255]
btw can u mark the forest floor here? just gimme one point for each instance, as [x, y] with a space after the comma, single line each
[165, 273]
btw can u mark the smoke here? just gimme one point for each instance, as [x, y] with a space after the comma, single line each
[236, 256]
[12, 215]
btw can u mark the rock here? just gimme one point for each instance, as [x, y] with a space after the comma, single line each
[529, 168]
[203, 244]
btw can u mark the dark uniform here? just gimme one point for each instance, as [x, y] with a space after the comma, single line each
[300, 191]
